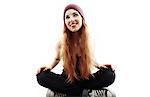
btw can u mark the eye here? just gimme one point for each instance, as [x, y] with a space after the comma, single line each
[75, 14]
[67, 17]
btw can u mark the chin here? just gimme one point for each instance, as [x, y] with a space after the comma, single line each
[73, 31]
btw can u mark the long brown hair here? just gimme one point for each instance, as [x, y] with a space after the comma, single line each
[69, 56]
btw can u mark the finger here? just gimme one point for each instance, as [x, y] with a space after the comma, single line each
[104, 66]
[45, 69]
[108, 65]
[41, 69]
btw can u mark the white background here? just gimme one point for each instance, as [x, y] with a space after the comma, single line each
[29, 30]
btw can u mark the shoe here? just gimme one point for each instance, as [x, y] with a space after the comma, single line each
[51, 93]
[105, 92]
[57, 94]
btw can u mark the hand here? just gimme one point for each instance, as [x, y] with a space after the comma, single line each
[42, 69]
[106, 66]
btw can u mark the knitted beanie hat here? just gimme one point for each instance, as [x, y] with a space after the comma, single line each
[74, 6]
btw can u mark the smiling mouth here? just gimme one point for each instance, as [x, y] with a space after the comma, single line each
[73, 25]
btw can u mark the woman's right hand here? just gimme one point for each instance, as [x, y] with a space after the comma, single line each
[42, 69]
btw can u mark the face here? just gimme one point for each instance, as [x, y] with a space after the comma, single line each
[73, 20]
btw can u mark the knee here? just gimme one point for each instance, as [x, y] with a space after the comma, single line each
[106, 75]
[41, 77]
[109, 77]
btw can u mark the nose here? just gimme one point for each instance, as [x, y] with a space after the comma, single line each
[72, 19]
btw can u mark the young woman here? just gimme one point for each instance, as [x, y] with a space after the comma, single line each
[78, 62]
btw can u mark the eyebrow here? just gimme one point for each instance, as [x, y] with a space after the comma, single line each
[74, 13]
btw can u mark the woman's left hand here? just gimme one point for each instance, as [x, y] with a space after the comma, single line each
[106, 66]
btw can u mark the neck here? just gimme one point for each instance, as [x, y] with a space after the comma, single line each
[75, 35]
